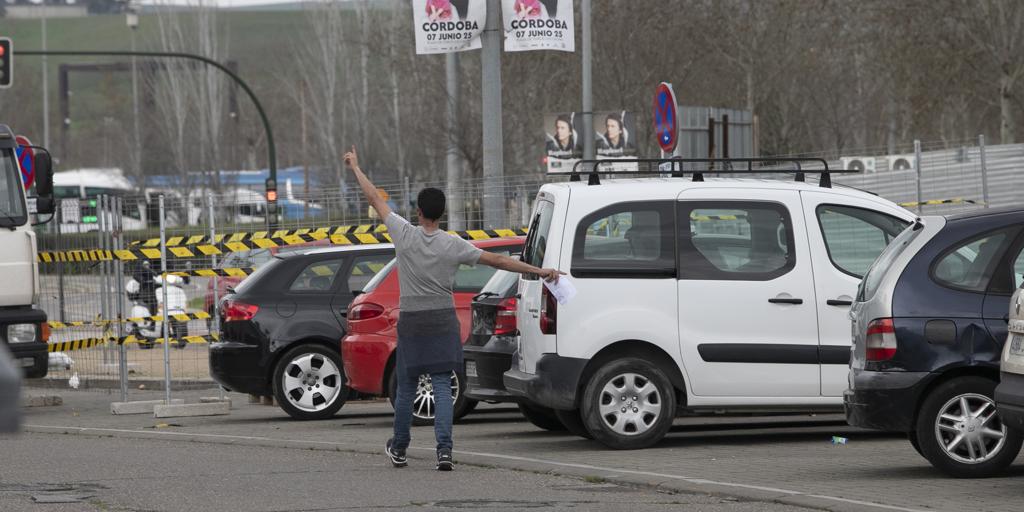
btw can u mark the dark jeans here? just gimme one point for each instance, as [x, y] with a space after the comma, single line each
[442, 407]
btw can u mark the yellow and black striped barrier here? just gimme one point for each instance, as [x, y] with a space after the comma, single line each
[87, 343]
[244, 236]
[246, 244]
[183, 317]
[933, 202]
[215, 272]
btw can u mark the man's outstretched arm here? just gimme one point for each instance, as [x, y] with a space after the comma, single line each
[378, 203]
[500, 261]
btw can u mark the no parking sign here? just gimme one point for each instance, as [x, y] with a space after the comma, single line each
[25, 156]
[666, 125]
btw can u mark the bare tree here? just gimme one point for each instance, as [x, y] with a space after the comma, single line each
[995, 30]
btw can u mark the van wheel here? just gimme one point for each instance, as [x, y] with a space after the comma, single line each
[541, 417]
[629, 404]
[572, 422]
[309, 382]
[960, 432]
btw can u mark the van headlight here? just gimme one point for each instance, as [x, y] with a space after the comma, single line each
[21, 333]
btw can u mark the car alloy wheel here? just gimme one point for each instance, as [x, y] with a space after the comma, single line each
[959, 431]
[969, 430]
[630, 404]
[311, 382]
[423, 407]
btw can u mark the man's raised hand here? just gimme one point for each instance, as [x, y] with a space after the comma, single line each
[352, 159]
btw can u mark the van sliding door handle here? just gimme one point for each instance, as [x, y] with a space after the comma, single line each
[837, 302]
[780, 300]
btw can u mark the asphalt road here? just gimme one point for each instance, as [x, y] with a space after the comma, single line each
[787, 460]
[117, 474]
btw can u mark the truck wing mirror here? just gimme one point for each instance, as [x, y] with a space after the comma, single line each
[44, 174]
[43, 166]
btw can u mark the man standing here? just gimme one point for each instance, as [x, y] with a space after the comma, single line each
[428, 330]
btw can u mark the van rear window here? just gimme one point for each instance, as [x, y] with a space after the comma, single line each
[537, 239]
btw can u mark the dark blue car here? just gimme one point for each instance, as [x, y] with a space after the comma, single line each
[929, 323]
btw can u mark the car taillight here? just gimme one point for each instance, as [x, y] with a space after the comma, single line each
[365, 311]
[235, 311]
[881, 340]
[505, 319]
[548, 311]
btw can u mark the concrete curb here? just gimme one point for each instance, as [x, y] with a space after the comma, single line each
[639, 479]
[112, 382]
[184, 410]
[139, 407]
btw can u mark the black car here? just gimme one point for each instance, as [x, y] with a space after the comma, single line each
[281, 327]
[491, 346]
[929, 324]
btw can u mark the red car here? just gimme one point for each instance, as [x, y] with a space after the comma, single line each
[367, 351]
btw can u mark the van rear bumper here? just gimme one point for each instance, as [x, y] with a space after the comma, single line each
[554, 385]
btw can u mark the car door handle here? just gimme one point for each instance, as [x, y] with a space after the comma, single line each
[786, 300]
[838, 302]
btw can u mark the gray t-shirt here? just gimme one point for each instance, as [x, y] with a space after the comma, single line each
[427, 263]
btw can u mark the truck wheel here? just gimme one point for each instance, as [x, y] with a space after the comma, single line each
[541, 417]
[309, 382]
[628, 404]
[572, 422]
[960, 432]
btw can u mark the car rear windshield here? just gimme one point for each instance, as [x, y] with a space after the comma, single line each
[502, 284]
[877, 270]
[261, 270]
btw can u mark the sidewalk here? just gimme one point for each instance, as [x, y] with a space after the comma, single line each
[783, 459]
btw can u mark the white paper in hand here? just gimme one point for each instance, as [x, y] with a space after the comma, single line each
[563, 290]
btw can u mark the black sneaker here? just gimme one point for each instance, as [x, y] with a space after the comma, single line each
[444, 460]
[397, 458]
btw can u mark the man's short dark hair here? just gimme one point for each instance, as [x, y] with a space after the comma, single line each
[431, 202]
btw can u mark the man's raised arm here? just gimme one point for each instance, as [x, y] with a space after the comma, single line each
[378, 203]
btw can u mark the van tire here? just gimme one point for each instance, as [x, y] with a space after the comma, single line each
[634, 429]
[945, 399]
[572, 422]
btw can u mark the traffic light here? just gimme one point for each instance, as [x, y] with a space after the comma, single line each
[6, 62]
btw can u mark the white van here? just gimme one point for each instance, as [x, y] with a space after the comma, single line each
[727, 294]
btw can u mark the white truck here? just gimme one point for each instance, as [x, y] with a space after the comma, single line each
[23, 327]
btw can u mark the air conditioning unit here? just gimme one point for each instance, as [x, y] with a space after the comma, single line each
[901, 162]
[858, 163]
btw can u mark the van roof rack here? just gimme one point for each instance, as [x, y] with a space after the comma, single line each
[678, 168]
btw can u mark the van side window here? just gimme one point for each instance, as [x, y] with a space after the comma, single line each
[734, 240]
[854, 237]
[537, 238]
[626, 240]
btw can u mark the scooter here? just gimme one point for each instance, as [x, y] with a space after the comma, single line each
[150, 331]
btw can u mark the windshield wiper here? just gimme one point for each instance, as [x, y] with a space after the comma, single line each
[13, 224]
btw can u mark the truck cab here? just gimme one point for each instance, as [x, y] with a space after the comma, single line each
[23, 327]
